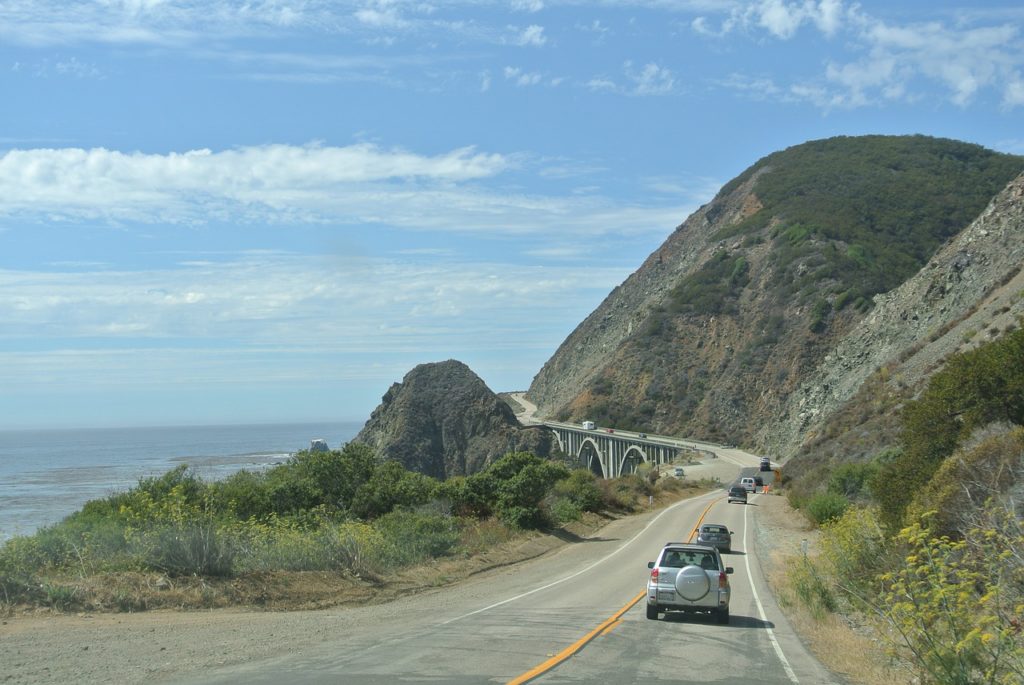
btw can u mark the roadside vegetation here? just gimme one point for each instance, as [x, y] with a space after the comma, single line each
[322, 528]
[925, 543]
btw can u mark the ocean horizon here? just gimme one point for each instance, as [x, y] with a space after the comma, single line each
[47, 474]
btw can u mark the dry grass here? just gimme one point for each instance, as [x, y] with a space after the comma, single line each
[846, 645]
[845, 649]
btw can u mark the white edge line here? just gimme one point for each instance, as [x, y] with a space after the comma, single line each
[760, 607]
[584, 570]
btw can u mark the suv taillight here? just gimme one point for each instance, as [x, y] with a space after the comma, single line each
[723, 580]
[654, 574]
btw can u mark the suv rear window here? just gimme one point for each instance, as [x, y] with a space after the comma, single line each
[681, 558]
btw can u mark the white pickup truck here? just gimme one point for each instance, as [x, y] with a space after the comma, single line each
[589, 425]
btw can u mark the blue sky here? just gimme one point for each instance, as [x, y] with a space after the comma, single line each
[227, 212]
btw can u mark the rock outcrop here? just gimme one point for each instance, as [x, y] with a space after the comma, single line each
[969, 292]
[442, 420]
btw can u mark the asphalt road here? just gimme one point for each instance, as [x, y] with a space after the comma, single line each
[496, 628]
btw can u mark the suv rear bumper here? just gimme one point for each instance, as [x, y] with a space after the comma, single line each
[666, 599]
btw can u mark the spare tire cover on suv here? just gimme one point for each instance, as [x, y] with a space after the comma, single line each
[692, 583]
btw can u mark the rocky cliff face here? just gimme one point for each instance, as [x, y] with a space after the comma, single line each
[442, 420]
[969, 292]
[751, 323]
[628, 309]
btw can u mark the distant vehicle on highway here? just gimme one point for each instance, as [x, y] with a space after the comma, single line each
[610, 430]
[588, 425]
[758, 481]
[642, 436]
[748, 484]
[715, 535]
[678, 472]
[737, 494]
[766, 464]
[688, 578]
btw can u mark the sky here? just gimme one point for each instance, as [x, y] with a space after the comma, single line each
[222, 211]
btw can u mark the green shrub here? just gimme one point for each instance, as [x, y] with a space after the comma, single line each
[825, 507]
[851, 479]
[519, 482]
[969, 478]
[857, 549]
[581, 489]
[281, 544]
[956, 611]
[625, 492]
[469, 496]
[192, 548]
[565, 511]
[59, 596]
[413, 537]
[392, 486]
[714, 288]
[811, 590]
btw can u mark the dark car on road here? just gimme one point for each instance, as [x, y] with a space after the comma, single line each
[715, 535]
[737, 493]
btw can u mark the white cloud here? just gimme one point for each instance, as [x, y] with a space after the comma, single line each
[758, 88]
[651, 80]
[779, 18]
[700, 25]
[359, 185]
[173, 187]
[254, 316]
[601, 84]
[897, 61]
[381, 14]
[522, 78]
[47, 68]
[1013, 94]
[527, 5]
[531, 35]
[600, 31]
[73, 67]
[783, 19]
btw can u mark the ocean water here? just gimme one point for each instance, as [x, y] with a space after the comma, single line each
[47, 474]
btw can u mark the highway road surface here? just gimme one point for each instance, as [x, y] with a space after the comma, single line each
[569, 617]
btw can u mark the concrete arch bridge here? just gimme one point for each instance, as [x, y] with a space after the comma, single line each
[610, 453]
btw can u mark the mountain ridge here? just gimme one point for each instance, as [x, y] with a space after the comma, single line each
[724, 322]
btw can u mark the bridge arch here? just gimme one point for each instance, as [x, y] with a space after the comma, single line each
[633, 457]
[590, 457]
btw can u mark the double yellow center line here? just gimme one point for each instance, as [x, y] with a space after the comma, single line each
[606, 625]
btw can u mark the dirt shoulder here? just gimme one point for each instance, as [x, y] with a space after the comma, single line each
[845, 646]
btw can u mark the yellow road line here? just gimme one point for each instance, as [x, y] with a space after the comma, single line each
[574, 647]
[611, 627]
[606, 626]
[701, 518]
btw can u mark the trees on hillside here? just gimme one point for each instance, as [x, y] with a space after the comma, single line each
[976, 388]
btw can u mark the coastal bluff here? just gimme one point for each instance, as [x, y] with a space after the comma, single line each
[442, 420]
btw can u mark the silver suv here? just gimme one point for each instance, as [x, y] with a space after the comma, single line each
[688, 578]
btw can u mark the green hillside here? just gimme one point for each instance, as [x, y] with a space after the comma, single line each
[863, 213]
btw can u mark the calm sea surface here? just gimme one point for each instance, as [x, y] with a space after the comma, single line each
[47, 474]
